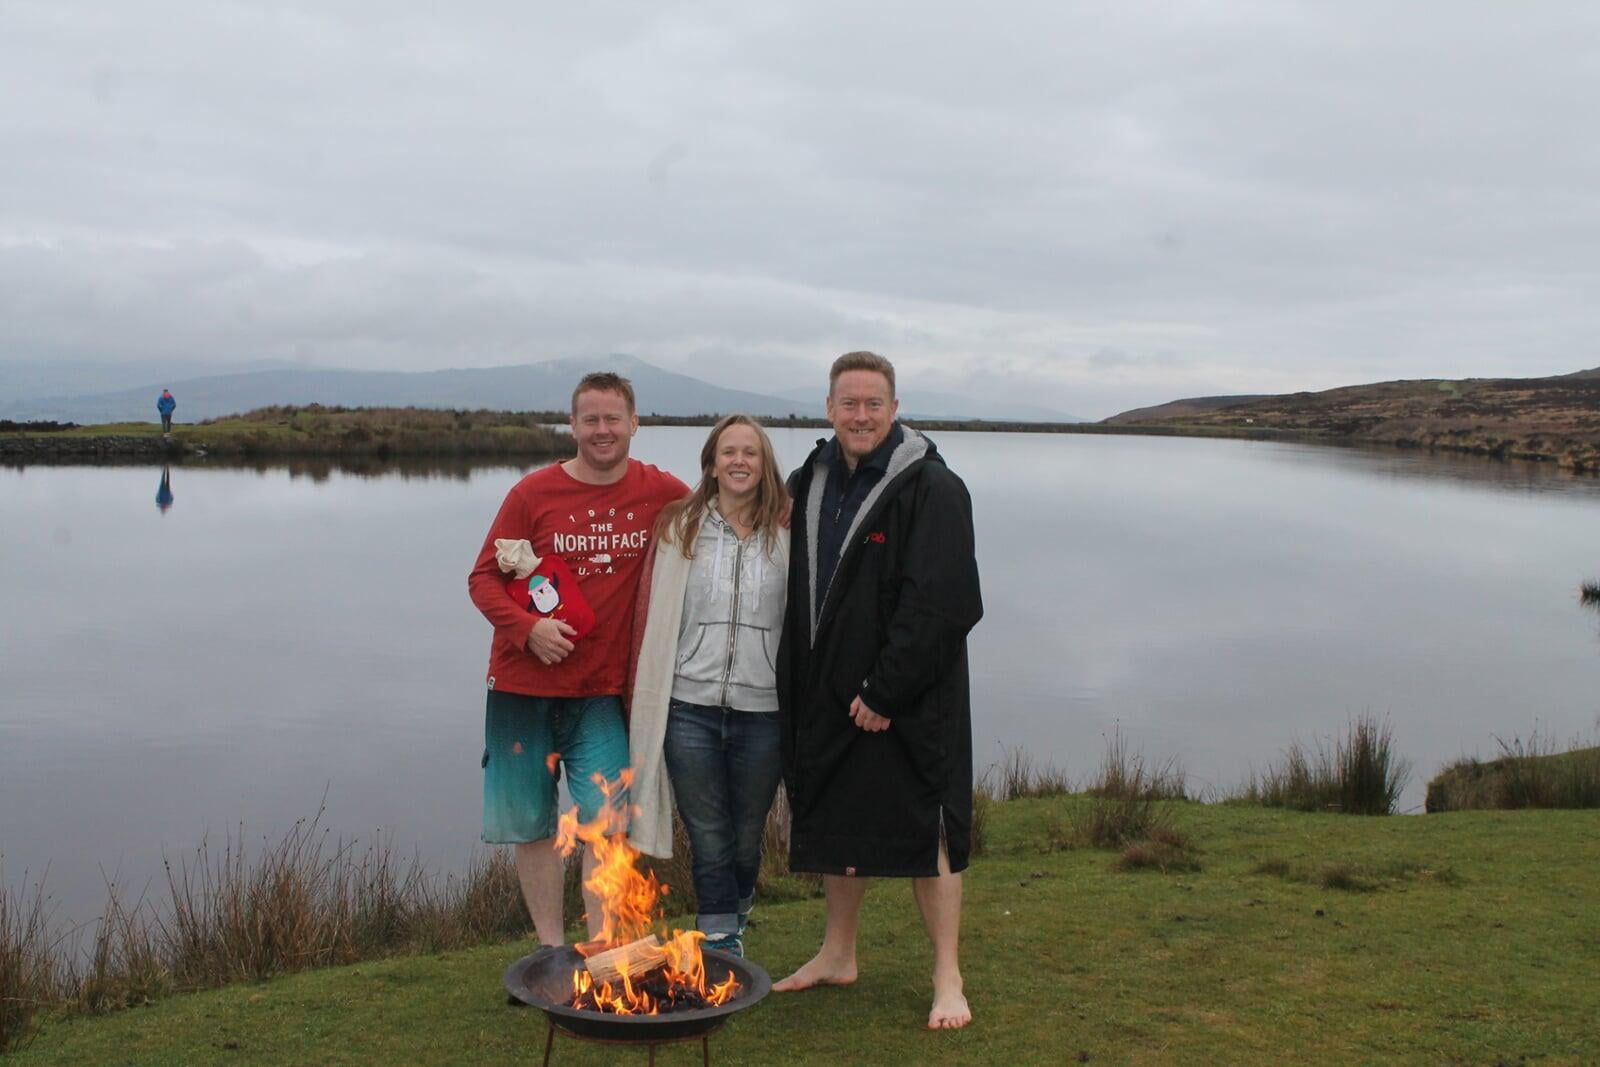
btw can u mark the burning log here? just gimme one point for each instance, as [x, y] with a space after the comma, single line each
[640, 957]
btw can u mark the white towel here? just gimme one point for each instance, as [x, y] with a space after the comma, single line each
[515, 557]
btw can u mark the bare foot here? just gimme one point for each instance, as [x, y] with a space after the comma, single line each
[819, 970]
[950, 1011]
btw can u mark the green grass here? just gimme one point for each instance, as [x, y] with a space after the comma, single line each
[1252, 959]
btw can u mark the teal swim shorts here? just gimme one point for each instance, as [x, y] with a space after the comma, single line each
[587, 736]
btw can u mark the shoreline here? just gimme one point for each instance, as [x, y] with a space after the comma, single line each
[313, 433]
[225, 441]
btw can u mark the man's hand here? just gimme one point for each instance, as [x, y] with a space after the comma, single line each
[549, 641]
[866, 718]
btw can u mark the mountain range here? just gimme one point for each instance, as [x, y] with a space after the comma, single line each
[39, 392]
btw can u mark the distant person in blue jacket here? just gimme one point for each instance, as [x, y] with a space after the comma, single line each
[166, 405]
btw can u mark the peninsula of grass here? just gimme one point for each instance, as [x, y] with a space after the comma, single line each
[310, 432]
[1285, 936]
[1527, 774]
[1554, 419]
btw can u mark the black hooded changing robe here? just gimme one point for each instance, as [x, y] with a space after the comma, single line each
[891, 629]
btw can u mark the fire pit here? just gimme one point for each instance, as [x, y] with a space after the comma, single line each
[544, 980]
[629, 984]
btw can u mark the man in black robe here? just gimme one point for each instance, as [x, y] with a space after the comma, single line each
[872, 676]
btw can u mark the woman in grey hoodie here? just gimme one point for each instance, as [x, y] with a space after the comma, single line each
[704, 702]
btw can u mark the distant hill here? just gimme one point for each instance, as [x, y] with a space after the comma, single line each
[1557, 417]
[32, 379]
[1193, 406]
[525, 387]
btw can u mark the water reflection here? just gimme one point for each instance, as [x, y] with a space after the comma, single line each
[164, 492]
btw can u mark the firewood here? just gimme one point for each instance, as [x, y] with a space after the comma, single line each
[641, 957]
[590, 948]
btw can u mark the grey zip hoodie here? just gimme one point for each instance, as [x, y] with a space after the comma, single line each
[732, 619]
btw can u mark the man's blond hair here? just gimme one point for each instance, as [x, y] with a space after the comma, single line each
[604, 381]
[861, 361]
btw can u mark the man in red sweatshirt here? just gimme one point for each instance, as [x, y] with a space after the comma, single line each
[555, 698]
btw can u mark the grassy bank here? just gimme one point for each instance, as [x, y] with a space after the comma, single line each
[1455, 938]
[246, 913]
[1537, 773]
[1553, 419]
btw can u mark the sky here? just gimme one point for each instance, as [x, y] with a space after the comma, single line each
[1097, 205]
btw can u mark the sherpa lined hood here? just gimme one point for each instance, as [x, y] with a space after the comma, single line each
[914, 449]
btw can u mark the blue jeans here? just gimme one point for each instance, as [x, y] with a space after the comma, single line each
[725, 767]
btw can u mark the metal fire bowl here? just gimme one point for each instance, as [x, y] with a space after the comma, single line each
[544, 980]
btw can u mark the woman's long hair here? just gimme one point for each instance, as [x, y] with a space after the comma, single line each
[679, 522]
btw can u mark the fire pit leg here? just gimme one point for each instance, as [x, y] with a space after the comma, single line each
[549, 1041]
[705, 1048]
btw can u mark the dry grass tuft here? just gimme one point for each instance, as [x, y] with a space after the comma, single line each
[1360, 774]
[29, 963]
[1020, 779]
[1167, 849]
[983, 800]
[1123, 773]
[1128, 802]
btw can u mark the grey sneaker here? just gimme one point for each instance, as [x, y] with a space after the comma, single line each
[729, 943]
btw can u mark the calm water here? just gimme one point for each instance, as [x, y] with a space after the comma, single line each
[272, 638]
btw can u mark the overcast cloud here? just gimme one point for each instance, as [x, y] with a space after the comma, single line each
[1101, 204]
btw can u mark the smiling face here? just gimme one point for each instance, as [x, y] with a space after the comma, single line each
[602, 427]
[736, 466]
[862, 408]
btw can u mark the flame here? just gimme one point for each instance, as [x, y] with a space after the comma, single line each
[630, 909]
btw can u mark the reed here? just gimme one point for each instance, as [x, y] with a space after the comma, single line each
[984, 798]
[1589, 593]
[30, 968]
[1119, 820]
[1130, 807]
[1357, 774]
[236, 914]
[1124, 773]
[1018, 778]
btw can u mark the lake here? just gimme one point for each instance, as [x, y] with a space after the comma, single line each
[270, 639]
